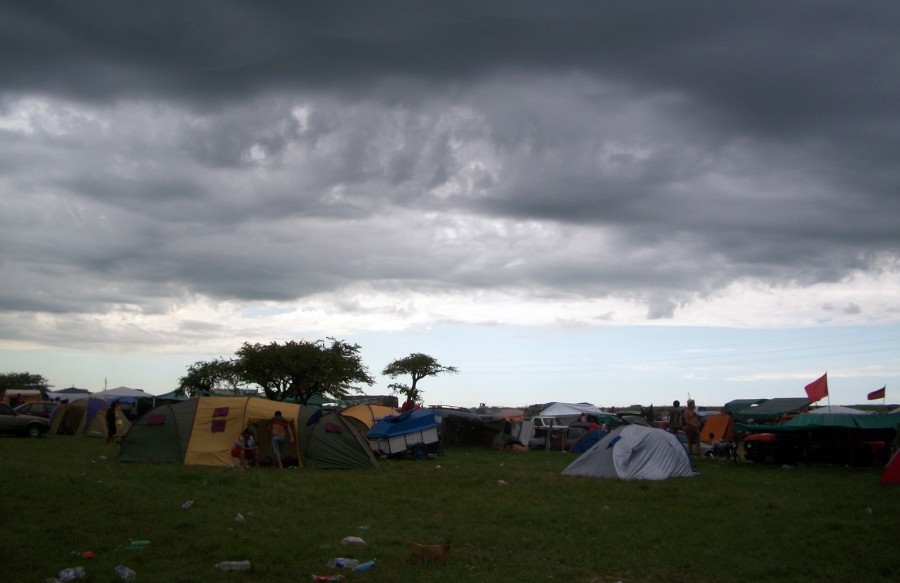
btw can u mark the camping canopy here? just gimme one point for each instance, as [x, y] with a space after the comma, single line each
[805, 422]
[738, 404]
[839, 410]
[634, 452]
[772, 409]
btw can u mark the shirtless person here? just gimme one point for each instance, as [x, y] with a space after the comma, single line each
[280, 428]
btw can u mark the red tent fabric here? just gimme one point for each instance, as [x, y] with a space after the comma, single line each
[891, 473]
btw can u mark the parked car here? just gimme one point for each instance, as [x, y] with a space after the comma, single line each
[37, 408]
[12, 422]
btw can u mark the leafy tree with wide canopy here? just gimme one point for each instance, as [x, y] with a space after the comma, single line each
[302, 369]
[23, 381]
[418, 366]
[204, 377]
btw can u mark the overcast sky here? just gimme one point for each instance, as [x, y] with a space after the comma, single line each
[616, 202]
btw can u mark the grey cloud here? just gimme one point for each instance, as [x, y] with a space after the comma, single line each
[269, 152]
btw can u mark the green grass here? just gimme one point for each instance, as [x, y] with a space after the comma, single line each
[733, 522]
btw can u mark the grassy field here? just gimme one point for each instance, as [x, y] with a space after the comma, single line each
[733, 522]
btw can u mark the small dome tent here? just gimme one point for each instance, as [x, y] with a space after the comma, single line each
[634, 452]
[86, 417]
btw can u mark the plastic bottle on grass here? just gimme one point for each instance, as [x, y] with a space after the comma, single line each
[71, 574]
[362, 567]
[139, 544]
[233, 565]
[342, 563]
[125, 574]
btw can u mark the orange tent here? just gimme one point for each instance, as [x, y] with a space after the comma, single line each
[717, 427]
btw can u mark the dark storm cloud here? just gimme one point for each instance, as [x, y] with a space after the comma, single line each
[269, 151]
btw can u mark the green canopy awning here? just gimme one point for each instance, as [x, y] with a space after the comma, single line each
[738, 404]
[806, 422]
[771, 409]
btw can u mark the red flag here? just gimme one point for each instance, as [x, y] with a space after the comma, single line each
[818, 388]
[879, 394]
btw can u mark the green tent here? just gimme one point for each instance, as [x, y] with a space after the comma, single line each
[329, 440]
[161, 436]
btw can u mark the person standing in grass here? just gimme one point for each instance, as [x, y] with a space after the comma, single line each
[111, 425]
[692, 427]
[280, 429]
[675, 417]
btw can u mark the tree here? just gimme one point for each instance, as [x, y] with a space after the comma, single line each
[205, 377]
[23, 381]
[302, 369]
[418, 366]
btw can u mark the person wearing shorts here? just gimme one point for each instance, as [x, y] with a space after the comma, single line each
[280, 429]
[692, 428]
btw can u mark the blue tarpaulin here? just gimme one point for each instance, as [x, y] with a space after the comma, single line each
[415, 420]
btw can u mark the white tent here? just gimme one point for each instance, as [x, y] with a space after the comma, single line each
[634, 452]
[838, 410]
[568, 409]
[119, 392]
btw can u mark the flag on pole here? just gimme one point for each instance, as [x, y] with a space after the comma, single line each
[879, 394]
[817, 389]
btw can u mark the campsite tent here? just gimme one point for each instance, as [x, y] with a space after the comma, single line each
[330, 440]
[568, 409]
[119, 392]
[891, 474]
[70, 394]
[86, 417]
[587, 440]
[772, 409]
[367, 413]
[201, 431]
[717, 427]
[634, 452]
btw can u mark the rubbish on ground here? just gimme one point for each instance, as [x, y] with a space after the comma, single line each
[426, 554]
[187, 504]
[88, 555]
[342, 563]
[139, 544]
[233, 565]
[362, 567]
[71, 574]
[124, 573]
[502, 483]
[352, 540]
[239, 518]
[327, 578]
